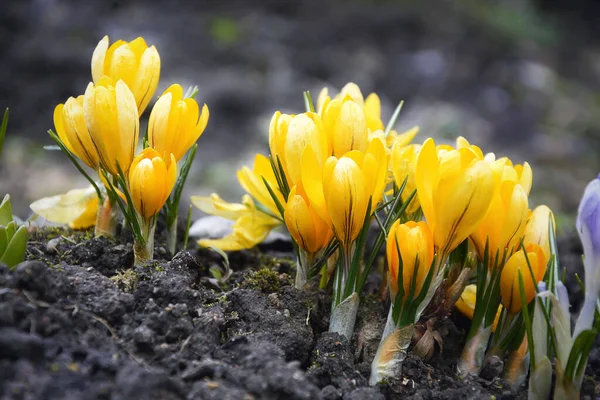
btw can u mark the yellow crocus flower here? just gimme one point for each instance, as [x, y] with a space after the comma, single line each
[346, 125]
[72, 130]
[404, 162]
[509, 279]
[415, 241]
[176, 123]
[455, 189]
[250, 228]
[503, 226]
[340, 191]
[309, 230]
[289, 135]
[133, 62]
[371, 105]
[253, 184]
[151, 179]
[112, 118]
[536, 230]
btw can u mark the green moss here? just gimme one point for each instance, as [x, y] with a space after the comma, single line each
[126, 280]
[265, 280]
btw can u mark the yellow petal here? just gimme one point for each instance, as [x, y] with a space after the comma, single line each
[351, 89]
[98, 58]
[426, 180]
[471, 193]
[347, 200]
[67, 208]
[404, 138]
[312, 182]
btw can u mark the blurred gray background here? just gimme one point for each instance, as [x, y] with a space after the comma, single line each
[519, 78]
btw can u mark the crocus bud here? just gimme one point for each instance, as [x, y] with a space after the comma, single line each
[371, 105]
[588, 227]
[345, 122]
[455, 189]
[112, 119]
[133, 62]
[415, 241]
[341, 192]
[537, 228]
[305, 226]
[73, 132]
[404, 163]
[288, 137]
[151, 179]
[509, 279]
[175, 123]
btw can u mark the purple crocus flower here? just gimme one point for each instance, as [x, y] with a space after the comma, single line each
[588, 227]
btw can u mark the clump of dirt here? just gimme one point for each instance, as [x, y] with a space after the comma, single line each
[78, 320]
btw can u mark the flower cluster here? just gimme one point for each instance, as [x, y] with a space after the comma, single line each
[456, 223]
[101, 129]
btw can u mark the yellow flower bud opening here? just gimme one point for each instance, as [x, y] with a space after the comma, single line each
[304, 224]
[455, 189]
[509, 280]
[175, 123]
[288, 137]
[133, 62]
[371, 105]
[151, 179]
[341, 190]
[415, 241]
[112, 118]
[72, 130]
[345, 122]
[536, 230]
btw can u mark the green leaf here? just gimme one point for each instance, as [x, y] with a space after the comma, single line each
[579, 353]
[175, 198]
[188, 223]
[3, 240]
[308, 103]
[191, 92]
[221, 277]
[6, 215]
[15, 252]
[11, 228]
[274, 197]
[394, 118]
[216, 273]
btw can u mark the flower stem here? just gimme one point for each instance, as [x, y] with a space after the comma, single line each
[471, 359]
[304, 262]
[517, 366]
[390, 354]
[106, 219]
[145, 251]
[343, 316]
[172, 237]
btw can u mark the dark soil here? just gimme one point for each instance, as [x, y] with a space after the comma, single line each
[78, 321]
